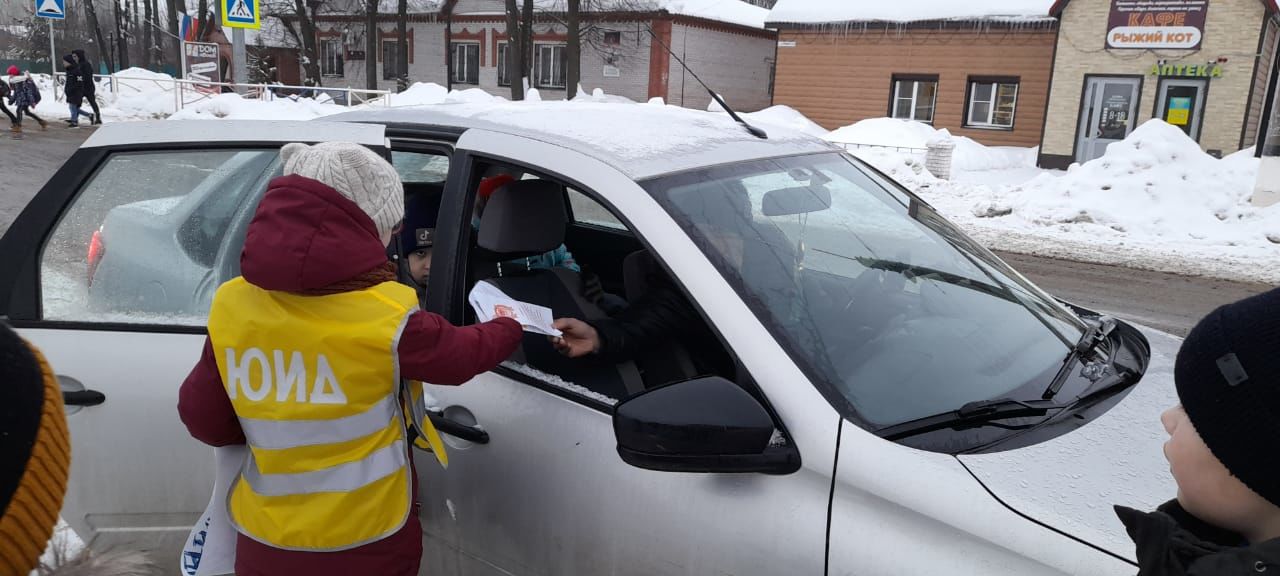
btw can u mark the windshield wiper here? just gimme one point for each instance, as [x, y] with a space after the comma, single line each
[1084, 348]
[979, 413]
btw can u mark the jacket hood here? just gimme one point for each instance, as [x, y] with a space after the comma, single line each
[305, 236]
[80, 53]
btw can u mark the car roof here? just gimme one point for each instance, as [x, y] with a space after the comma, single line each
[230, 131]
[640, 140]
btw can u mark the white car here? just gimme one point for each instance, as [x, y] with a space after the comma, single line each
[890, 397]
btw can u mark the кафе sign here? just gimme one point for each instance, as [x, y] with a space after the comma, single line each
[1155, 24]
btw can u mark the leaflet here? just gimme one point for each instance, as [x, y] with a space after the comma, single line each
[489, 302]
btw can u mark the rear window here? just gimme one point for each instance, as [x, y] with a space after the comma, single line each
[147, 240]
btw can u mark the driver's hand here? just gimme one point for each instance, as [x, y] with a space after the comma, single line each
[579, 338]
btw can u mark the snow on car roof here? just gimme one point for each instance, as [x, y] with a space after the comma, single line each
[832, 11]
[640, 140]
[208, 131]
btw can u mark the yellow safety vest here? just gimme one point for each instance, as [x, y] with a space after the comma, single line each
[315, 382]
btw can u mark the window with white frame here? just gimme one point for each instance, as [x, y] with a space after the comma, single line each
[914, 98]
[992, 103]
[503, 79]
[466, 63]
[331, 57]
[549, 69]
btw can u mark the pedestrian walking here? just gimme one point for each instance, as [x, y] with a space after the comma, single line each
[5, 92]
[303, 363]
[1222, 438]
[90, 86]
[25, 96]
[74, 90]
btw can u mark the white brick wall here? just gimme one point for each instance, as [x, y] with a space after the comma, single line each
[736, 66]
[1231, 31]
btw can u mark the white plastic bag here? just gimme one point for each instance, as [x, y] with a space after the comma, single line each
[211, 548]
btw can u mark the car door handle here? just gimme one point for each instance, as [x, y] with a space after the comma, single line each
[457, 429]
[83, 398]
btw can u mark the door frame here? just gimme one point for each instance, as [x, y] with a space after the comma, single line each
[1084, 93]
[1197, 121]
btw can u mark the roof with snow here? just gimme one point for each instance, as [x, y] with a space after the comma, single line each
[835, 11]
[640, 140]
[734, 12]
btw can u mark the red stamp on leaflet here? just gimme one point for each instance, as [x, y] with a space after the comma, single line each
[504, 311]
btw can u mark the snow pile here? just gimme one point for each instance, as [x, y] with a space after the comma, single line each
[827, 11]
[1154, 201]
[969, 155]
[235, 107]
[139, 95]
[778, 115]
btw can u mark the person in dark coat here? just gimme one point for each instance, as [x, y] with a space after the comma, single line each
[90, 88]
[1226, 518]
[74, 90]
[5, 91]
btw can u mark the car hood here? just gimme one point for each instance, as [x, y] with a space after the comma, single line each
[1070, 483]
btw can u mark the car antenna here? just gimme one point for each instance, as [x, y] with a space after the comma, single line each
[758, 133]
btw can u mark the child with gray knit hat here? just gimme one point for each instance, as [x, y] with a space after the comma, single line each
[1223, 441]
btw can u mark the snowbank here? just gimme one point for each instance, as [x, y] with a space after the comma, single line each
[1153, 201]
[235, 107]
[827, 11]
[787, 117]
[969, 155]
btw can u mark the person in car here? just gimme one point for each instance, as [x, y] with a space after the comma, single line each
[1222, 439]
[303, 364]
[418, 237]
[558, 258]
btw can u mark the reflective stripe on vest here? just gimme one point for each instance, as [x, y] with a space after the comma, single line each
[315, 383]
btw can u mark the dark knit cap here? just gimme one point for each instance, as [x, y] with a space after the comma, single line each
[35, 454]
[1228, 379]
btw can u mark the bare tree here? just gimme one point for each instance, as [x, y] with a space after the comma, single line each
[573, 51]
[202, 16]
[147, 44]
[92, 13]
[307, 31]
[172, 16]
[515, 58]
[402, 46]
[122, 44]
[371, 45]
[526, 41]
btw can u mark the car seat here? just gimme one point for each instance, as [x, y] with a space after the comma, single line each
[527, 218]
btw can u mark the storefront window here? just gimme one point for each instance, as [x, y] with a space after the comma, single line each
[992, 104]
[915, 98]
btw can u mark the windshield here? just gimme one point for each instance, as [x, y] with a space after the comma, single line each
[891, 309]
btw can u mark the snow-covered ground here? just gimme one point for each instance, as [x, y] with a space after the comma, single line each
[1154, 201]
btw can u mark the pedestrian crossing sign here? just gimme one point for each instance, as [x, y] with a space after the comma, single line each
[241, 13]
[54, 9]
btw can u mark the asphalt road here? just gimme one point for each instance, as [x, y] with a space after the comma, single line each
[1167, 302]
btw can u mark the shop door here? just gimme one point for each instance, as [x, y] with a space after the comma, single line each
[1108, 115]
[1181, 104]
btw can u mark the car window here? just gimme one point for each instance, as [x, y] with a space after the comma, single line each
[142, 240]
[588, 211]
[621, 291]
[420, 167]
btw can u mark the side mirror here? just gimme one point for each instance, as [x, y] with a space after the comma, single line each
[703, 425]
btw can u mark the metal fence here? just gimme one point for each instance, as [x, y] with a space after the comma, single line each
[188, 92]
[909, 150]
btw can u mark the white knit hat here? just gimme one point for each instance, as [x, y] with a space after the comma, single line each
[356, 172]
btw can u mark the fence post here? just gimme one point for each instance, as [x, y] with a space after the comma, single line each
[938, 158]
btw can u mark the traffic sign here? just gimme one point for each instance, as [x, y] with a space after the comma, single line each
[241, 13]
[54, 9]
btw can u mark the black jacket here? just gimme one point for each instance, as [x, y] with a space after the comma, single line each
[661, 315]
[1172, 542]
[75, 83]
[86, 73]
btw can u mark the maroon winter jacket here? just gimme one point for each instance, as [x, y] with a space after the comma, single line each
[306, 237]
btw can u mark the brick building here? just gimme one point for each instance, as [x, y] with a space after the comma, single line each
[977, 69]
[728, 48]
[1205, 66]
